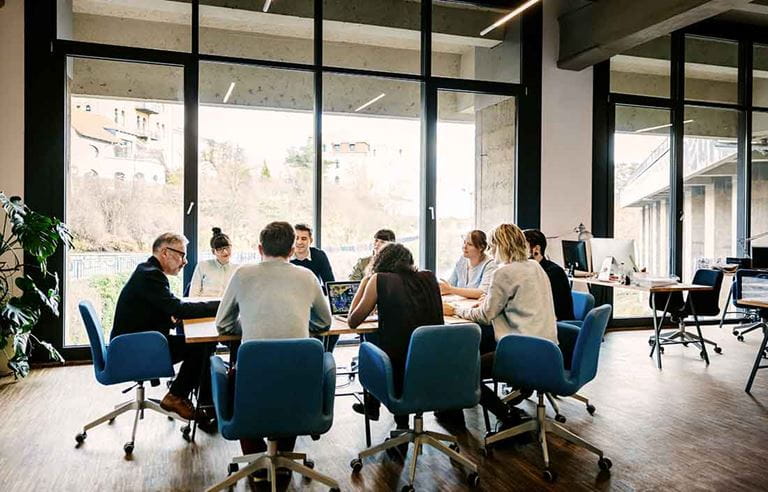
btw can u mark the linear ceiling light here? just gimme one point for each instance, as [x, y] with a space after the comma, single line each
[370, 102]
[267, 4]
[643, 130]
[509, 16]
[229, 92]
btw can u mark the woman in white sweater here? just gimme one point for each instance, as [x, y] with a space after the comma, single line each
[212, 276]
[519, 300]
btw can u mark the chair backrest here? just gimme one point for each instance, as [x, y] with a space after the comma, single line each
[583, 302]
[706, 302]
[95, 335]
[442, 371]
[278, 385]
[587, 348]
[750, 283]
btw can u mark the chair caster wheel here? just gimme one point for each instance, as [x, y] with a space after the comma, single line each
[703, 354]
[309, 464]
[80, 438]
[661, 350]
[128, 448]
[407, 488]
[473, 480]
[591, 409]
[111, 421]
[550, 476]
[685, 344]
[454, 447]
[560, 418]
[740, 338]
[718, 350]
[735, 333]
[232, 468]
[650, 342]
[170, 418]
[186, 433]
[604, 463]
[356, 464]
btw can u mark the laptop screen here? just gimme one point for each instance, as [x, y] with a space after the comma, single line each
[340, 295]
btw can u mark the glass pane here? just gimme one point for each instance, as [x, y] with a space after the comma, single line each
[641, 201]
[475, 169]
[373, 35]
[256, 153]
[124, 178]
[760, 76]
[643, 70]
[711, 70]
[264, 29]
[709, 178]
[759, 202]
[157, 24]
[465, 43]
[371, 162]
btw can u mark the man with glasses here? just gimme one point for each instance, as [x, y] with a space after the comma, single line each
[146, 303]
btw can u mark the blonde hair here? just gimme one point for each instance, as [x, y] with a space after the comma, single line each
[508, 244]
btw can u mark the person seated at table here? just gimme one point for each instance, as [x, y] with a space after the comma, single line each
[558, 280]
[406, 299]
[272, 299]
[362, 267]
[146, 303]
[309, 257]
[212, 276]
[473, 271]
[519, 300]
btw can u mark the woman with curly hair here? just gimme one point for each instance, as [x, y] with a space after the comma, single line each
[406, 298]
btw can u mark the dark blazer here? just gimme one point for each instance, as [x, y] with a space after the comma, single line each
[319, 265]
[146, 303]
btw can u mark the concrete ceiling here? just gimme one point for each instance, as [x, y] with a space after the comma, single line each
[756, 13]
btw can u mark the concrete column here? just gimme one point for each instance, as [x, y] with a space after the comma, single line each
[710, 225]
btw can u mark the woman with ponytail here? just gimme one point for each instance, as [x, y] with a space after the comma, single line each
[212, 276]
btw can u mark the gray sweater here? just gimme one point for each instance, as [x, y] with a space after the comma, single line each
[273, 299]
[519, 300]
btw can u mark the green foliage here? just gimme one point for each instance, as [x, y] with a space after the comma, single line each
[39, 236]
[108, 288]
[265, 173]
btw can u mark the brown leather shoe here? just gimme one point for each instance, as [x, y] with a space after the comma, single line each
[178, 405]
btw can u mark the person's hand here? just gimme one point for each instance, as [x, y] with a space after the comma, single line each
[448, 310]
[445, 287]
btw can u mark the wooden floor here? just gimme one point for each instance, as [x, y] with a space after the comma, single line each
[688, 427]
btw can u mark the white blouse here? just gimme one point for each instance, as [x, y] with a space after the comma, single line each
[211, 278]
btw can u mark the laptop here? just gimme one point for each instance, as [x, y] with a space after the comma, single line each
[340, 295]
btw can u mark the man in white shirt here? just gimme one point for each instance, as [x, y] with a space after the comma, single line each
[273, 299]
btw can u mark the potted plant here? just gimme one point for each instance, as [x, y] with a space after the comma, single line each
[36, 289]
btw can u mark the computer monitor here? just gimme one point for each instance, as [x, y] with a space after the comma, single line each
[759, 256]
[340, 295]
[622, 250]
[575, 255]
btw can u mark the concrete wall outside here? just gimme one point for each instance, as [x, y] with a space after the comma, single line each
[12, 98]
[495, 164]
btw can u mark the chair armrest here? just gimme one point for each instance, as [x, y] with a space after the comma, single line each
[375, 371]
[529, 362]
[139, 357]
[220, 388]
[329, 383]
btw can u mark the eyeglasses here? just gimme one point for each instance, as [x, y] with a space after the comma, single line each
[181, 253]
[223, 248]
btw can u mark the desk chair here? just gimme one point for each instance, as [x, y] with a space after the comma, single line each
[583, 302]
[533, 363]
[275, 397]
[696, 304]
[737, 289]
[118, 363]
[432, 382]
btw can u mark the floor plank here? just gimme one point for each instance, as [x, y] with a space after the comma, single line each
[687, 427]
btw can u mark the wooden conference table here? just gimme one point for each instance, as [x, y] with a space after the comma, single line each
[678, 287]
[763, 305]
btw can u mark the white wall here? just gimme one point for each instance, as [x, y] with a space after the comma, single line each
[12, 97]
[566, 154]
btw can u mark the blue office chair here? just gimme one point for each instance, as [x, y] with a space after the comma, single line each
[283, 388]
[737, 289]
[583, 302]
[137, 357]
[536, 364]
[442, 373]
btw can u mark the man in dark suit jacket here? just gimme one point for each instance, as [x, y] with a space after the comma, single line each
[146, 303]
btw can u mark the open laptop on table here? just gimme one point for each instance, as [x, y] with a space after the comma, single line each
[340, 295]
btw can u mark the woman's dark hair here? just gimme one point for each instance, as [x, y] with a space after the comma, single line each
[385, 235]
[393, 258]
[478, 239]
[219, 239]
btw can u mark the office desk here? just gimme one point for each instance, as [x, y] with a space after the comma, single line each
[763, 305]
[679, 287]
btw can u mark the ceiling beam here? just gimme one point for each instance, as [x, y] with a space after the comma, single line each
[598, 30]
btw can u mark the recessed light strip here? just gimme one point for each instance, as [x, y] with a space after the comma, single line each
[643, 130]
[370, 102]
[509, 16]
[229, 92]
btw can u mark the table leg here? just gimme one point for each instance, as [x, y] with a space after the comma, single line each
[759, 357]
[367, 422]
